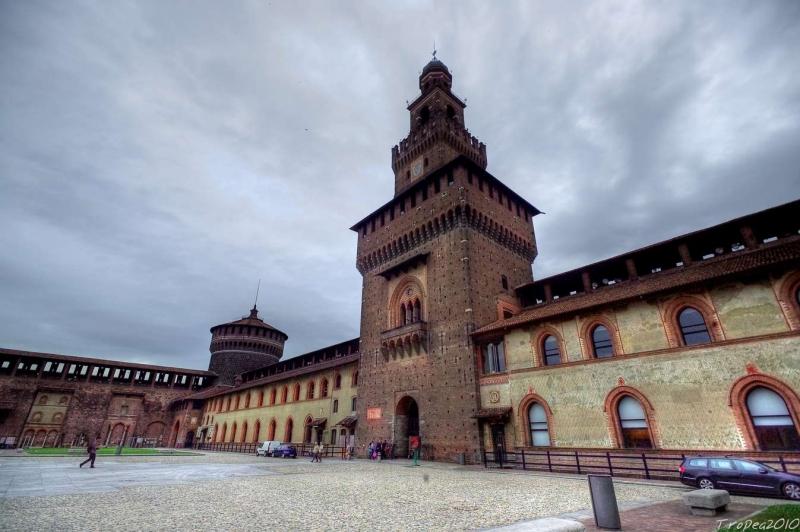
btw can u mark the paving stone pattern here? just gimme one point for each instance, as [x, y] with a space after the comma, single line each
[222, 491]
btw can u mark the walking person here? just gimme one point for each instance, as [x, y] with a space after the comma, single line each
[320, 452]
[91, 448]
[315, 452]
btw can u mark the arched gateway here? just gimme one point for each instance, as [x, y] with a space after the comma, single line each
[406, 424]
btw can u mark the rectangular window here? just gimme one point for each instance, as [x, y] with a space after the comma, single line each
[353, 405]
[494, 357]
[722, 464]
[450, 178]
[698, 462]
[335, 405]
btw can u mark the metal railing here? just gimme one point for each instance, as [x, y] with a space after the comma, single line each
[303, 449]
[649, 465]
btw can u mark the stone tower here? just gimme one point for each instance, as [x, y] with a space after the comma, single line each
[242, 345]
[438, 260]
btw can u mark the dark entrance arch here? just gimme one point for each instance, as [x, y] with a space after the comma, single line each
[406, 424]
[189, 440]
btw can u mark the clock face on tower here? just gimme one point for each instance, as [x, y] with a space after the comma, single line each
[416, 168]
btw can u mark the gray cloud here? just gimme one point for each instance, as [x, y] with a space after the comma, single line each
[156, 159]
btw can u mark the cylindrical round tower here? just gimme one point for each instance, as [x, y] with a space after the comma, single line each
[243, 345]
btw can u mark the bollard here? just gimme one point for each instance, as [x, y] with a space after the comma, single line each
[604, 502]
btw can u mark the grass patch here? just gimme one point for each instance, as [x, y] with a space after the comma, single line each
[106, 451]
[775, 518]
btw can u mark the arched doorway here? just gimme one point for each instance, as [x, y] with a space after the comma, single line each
[307, 430]
[189, 440]
[117, 434]
[406, 424]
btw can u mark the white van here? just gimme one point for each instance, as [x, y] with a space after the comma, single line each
[267, 447]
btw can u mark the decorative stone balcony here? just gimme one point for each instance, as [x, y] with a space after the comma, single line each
[406, 340]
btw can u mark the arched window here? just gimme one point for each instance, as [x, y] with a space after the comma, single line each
[272, 394]
[337, 381]
[407, 303]
[310, 390]
[355, 379]
[247, 400]
[216, 433]
[284, 393]
[233, 432]
[236, 403]
[693, 327]
[551, 351]
[271, 432]
[633, 424]
[537, 419]
[257, 431]
[335, 405]
[261, 398]
[323, 389]
[772, 422]
[296, 392]
[224, 432]
[602, 346]
[243, 435]
[287, 437]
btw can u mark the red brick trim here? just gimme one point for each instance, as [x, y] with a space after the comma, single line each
[508, 303]
[538, 345]
[612, 415]
[786, 290]
[588, 325]
[738, 403]
[498, 378]
[273, 428]
[672, 307]
[522, 413]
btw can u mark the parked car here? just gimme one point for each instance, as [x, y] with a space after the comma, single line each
[285, 451]
[267, 447]
[733, 474]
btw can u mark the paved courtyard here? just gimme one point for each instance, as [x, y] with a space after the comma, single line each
[220, 491]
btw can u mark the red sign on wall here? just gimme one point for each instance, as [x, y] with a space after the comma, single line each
[373, 413]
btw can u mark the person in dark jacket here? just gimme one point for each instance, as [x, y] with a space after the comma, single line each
[91, 448]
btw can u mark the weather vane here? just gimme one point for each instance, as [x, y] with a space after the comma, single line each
[434, 49]
[258, 288]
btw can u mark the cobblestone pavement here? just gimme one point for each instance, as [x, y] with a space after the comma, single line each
[221, 491]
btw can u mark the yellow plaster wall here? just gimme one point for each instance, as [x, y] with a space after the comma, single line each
[298, 410]
[747, 309]
[688, 389]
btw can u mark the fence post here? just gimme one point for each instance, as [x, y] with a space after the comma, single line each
[783, 464]
[522, 451]
[610, 469]
[549, 463]
[646, 470]
[578, 462]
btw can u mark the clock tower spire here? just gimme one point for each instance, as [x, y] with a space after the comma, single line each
[437, 134]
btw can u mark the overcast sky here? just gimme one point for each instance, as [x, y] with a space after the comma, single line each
[158, 158]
